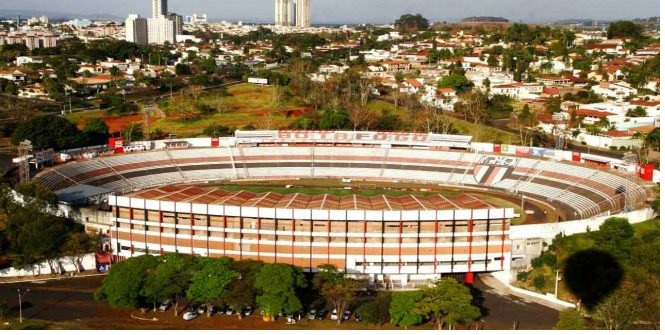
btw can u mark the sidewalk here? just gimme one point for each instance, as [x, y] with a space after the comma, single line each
[41, 278]
[500, 288]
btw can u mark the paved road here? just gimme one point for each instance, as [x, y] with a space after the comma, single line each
[72, 299]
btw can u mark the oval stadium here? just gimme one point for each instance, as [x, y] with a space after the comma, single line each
[397, 208]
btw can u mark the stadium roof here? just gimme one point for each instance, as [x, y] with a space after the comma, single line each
[80, 193]
[195, 194]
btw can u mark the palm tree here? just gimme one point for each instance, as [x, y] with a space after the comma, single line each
[115, 73]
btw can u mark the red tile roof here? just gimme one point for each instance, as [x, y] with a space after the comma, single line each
[592, 113]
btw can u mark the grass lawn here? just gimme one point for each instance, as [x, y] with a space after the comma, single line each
[333, 187]
[481, 133]
[241, 105]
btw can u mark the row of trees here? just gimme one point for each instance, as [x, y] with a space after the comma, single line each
[50, 131]
[29, 235]
[276, 289]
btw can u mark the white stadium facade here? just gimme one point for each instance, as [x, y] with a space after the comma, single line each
[160, 199]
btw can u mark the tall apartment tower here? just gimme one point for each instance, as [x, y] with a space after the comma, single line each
[161, 30]
[303, 13]
[136, 29]
[283, 12]
[159, 7]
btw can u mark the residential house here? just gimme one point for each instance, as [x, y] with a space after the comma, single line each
[519, 90]
[613, 89]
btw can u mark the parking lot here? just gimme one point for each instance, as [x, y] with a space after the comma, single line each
[71, 300]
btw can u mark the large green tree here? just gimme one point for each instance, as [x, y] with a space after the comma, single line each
[241, 291]
[411, 23]
[335, 286]
[97, 131]
[448, 302]
[125, 281]
[458, 82]
[171, 278]
[277, 284]
[211, 281]
[78, 245]
[624, 29]
[376, 310]
[615, 236]
[402, 308]
[49, 131]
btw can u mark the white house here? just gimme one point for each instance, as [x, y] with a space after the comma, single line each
[613, 89]
[519, 90]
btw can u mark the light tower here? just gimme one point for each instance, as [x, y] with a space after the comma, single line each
[631, 161]
[24, 151]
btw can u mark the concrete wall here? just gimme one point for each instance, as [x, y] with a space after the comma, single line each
[547, 231]
[64, 265]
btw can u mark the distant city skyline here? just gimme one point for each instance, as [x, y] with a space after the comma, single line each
[364, 11]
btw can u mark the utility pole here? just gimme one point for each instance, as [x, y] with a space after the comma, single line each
[630, 159]
[146, 118]
[556, 285]
[24, 151]
[20, 304]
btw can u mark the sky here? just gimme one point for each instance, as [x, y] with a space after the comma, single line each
[359, 11]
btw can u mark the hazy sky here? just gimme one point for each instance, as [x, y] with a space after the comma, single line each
[348, 11]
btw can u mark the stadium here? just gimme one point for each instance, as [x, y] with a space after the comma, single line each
[440, 204]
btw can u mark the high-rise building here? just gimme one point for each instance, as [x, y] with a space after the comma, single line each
[303, 13]
[159, 7]
[161, 30]
[136, 29]
[177, 19]
[283, 12]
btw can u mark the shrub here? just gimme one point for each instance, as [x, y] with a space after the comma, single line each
[539, 282]
[522, 276]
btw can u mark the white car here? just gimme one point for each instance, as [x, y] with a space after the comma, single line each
[334, 316]
[165, 305]
[189, 316]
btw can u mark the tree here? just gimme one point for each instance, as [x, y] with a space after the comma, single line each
[335, 119]
[125, 281]
[78, 245]
[377, 310]
[241, 291]
[277, 284]
[132, 132]
[456, 81]
[171, 278]
[473, 105]
[448, 302]
[621, 308]
[411, 23]
[211, 281]
[624, 29]
[115, 73]
[553, 105]
[97, 131]
[183, 70]
[402, 308]
[614, 236]
[336, 287]
[49, 131]
[570, 319]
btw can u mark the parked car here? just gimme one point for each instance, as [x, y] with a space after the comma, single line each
[247, 311]
[202, 309]
[230, 310]
[347, 315]
[191, 307]
[357, 317]
[165, 305]
[221, 310]
[333, 315]
[213, 309]
[312, 314]
[321, 314]
[189, 316]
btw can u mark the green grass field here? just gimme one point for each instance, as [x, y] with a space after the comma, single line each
[242, 105]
